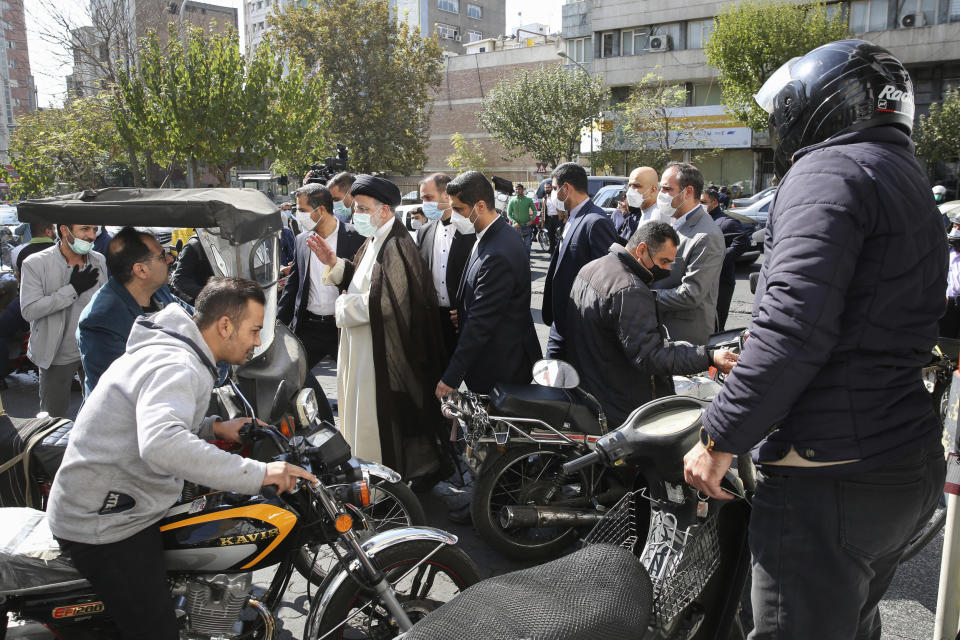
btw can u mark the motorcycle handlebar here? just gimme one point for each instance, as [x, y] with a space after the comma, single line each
[582, 462]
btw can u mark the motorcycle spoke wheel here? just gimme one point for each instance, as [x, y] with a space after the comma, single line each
[521, 477]
[392, 505]
[420, 589]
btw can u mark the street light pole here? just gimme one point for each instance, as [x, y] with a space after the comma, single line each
[565, 55]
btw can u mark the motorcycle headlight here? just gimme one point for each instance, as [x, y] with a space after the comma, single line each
[307, 408]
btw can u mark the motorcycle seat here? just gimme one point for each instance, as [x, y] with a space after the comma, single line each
[601, 591]
[557, 407]
[30, 558]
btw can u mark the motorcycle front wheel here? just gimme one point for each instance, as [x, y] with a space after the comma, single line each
[392, 505]
[421, 583]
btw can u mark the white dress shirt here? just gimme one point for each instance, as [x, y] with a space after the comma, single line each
[442, 240]
[678, 222]
[550, 205]
[322, 298]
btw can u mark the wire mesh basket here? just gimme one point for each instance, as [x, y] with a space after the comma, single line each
[679, 561]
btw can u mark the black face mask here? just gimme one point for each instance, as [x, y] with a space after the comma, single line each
[658, 272]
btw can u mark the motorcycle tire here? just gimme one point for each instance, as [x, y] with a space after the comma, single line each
[392, 505]
[490, 495]
[459, 570]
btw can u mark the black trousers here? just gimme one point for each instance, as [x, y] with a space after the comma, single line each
[130, 577]
[552, 224]
[950, 322]
[448, 330]
[825, 549]
[724, 296]
[320, 337]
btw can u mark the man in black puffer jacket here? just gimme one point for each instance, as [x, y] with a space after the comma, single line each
[621, 352]
[828, 393]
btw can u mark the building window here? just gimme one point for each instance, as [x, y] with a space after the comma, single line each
[954, 10]
[473, 36]
[698, 32]
[580, 49]
[453, 6]
[474, 11]
[926, 7]
[634, 41]
[868, 15]
[672, 30]
[446, 31]
[610, 47]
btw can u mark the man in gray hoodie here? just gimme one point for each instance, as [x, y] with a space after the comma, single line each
[139, 435]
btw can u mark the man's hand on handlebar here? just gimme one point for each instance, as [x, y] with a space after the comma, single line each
[725, 360]
[230, 430]
[284, 475]
[703, 470]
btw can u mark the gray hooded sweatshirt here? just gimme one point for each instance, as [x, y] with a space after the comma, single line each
[138, 437]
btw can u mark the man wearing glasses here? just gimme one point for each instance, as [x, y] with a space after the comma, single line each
[139, 268]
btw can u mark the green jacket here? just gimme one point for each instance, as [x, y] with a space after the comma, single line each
[520, 210]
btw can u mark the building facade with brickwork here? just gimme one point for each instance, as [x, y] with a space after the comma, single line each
[18, 94]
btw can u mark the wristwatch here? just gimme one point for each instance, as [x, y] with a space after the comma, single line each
[706, 440]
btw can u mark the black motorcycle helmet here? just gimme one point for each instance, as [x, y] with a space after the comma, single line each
[837, 88]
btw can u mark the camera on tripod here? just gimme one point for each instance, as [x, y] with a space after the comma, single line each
[321, 173]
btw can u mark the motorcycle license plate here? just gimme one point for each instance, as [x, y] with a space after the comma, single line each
[930, 379]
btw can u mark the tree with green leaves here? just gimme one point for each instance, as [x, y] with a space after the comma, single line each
[380, 76]
[542, 112]
[938, 134]
[61, 150]
[752, 39]
[467, 155]
[201, 102]
[651, 122]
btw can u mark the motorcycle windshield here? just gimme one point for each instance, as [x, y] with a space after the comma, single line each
[258, 260]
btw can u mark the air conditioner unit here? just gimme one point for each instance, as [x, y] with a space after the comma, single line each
[913, 20]
[457, 37]
[659, 43]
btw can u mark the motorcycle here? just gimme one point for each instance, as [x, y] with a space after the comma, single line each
[694, 561]
[239, 231]
[517, 439]
[213, 542]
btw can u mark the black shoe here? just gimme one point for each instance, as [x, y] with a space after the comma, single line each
[461, 515]
[423, 484]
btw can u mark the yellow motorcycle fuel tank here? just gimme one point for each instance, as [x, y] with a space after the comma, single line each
[224, 532]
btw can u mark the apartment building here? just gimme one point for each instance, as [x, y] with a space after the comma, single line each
[624, 40]
[119, 24]
[456, 22]
[18, 95]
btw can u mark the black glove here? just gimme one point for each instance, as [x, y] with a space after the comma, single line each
[83, 280]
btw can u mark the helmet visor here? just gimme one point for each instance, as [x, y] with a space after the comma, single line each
[780, 78]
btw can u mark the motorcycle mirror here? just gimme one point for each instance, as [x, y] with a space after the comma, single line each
[555, 373]
[754, 278]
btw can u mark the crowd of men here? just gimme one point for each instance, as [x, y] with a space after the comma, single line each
[826, 394]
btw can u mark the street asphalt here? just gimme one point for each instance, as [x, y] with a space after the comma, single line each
[907, 610]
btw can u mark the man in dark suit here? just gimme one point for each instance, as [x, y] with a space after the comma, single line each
[307, 305]
[444, 249]
[587, 236]
[497, 339]
[736, 237]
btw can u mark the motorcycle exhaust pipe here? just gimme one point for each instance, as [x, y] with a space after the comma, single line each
[517, 517]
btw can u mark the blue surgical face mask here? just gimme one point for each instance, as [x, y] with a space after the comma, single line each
[432, 210]
[362, 222]
[341, 211]
[80, 246]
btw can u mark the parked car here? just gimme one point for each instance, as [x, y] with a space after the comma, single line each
[607, 197]
[594, 184]
[746, 202]
[758, 211]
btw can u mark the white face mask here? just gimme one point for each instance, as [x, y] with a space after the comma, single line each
[305, 220]
[665, 206]
[557, 201]
[415, 224]
[463, 225]
[634, 198]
